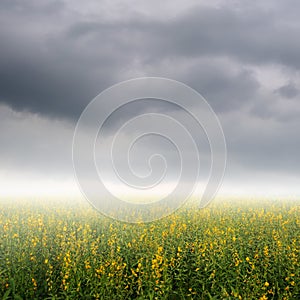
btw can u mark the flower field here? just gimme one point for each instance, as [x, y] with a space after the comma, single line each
[229, 250]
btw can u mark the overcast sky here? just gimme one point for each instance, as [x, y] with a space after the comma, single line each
[242, 56]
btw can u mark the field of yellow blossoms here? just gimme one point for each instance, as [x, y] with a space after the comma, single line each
[229, 250]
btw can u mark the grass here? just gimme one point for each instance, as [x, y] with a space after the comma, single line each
[229, 250]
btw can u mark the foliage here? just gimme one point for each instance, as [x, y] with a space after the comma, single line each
[228, 250]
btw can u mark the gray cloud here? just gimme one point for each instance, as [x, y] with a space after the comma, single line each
[54, 60]
[34, 144]
[261, 145]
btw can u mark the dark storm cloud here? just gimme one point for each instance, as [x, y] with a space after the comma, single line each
[44, 70]
[249, 35]
[54, 61]
[50, 77]
[225, 89]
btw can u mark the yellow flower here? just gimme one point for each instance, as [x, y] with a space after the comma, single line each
[247, 259]
[267, 283]
[34, 282]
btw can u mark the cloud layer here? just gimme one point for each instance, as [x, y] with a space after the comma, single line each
[242, 57]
